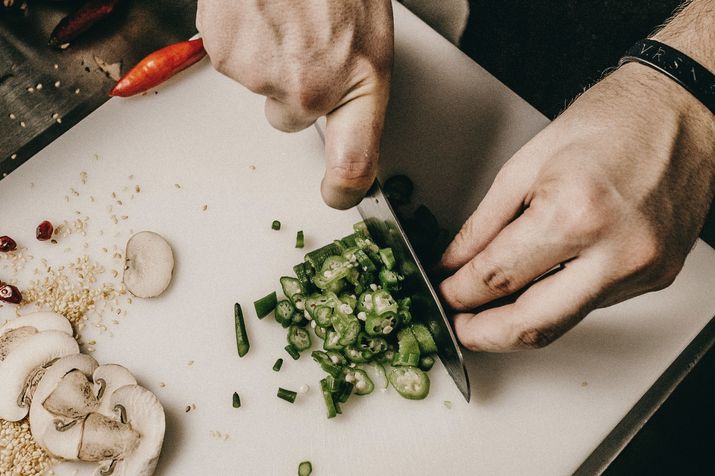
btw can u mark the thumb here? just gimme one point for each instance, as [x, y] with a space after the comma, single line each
[352, 148]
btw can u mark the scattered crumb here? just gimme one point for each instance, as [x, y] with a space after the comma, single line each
[187, 409]
[447, 404]
[162, 384]
[584, 384]
[251, 167]
[190, 363]
[177, 185]
[205, 207]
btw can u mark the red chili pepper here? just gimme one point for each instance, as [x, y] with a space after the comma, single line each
[81, 20]
[158, 67]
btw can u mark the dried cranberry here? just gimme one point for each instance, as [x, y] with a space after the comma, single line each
[44, 231]
[7, 244]
[10, 293]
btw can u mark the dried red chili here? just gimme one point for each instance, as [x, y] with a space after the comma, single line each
[159, 66]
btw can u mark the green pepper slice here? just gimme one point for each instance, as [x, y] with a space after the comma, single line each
[362, 384]
[299, 338]
[410, 382]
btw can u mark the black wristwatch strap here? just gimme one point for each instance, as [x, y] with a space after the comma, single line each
[681, 68]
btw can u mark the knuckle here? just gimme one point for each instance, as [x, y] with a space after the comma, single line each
[535, 338]
[648, 256]
[494, 277]
[580, 216]
[353, 173]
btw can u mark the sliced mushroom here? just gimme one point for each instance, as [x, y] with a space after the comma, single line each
[145, 415]
[23, 351]
[107, 379]
[149, 265]
[107, 439]
[60, 404]
[42, 321]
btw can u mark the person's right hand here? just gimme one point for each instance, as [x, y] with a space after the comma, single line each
[312, 58]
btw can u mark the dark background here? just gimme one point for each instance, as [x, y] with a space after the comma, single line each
[548, 52]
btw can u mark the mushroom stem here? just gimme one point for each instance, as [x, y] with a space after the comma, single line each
[62, 426]
[102, 387]
[122, 413]
[109, 469]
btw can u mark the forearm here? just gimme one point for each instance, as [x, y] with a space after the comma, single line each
[692, 31]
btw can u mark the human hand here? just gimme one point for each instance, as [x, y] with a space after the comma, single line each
[616, 189]
[312, 58]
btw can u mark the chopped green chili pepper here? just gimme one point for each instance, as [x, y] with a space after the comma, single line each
[424, 339]
[390, 280]
[347, 326]
[317, 258]
[362, 383]
[292, 351]
[332, 341]
[323, 315]
[426, 363]
[284, 312]
[242, 343]
[291, 287]
[301, 273]
[410, 382]
[382, 302]
[236, 400]
[326, 363]
[380, 325]
[305, 468]
[408, 351]
[328, 398]
[299, 239]
[299, 338]
[319, 331]
[381, 370]
[277, 366]
[276, 225]
[287, 395]
[387, 257]
[266, 305]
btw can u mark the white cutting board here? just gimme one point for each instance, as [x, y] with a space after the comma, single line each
[450, 127]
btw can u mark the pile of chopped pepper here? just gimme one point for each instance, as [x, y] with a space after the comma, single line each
[350, 293]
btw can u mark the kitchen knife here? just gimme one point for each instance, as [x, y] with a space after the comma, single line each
[384, 226]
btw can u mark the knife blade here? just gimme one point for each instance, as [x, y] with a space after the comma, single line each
[383, 224]
[385, 228]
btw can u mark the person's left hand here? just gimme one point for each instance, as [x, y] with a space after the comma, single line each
[616, 190]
